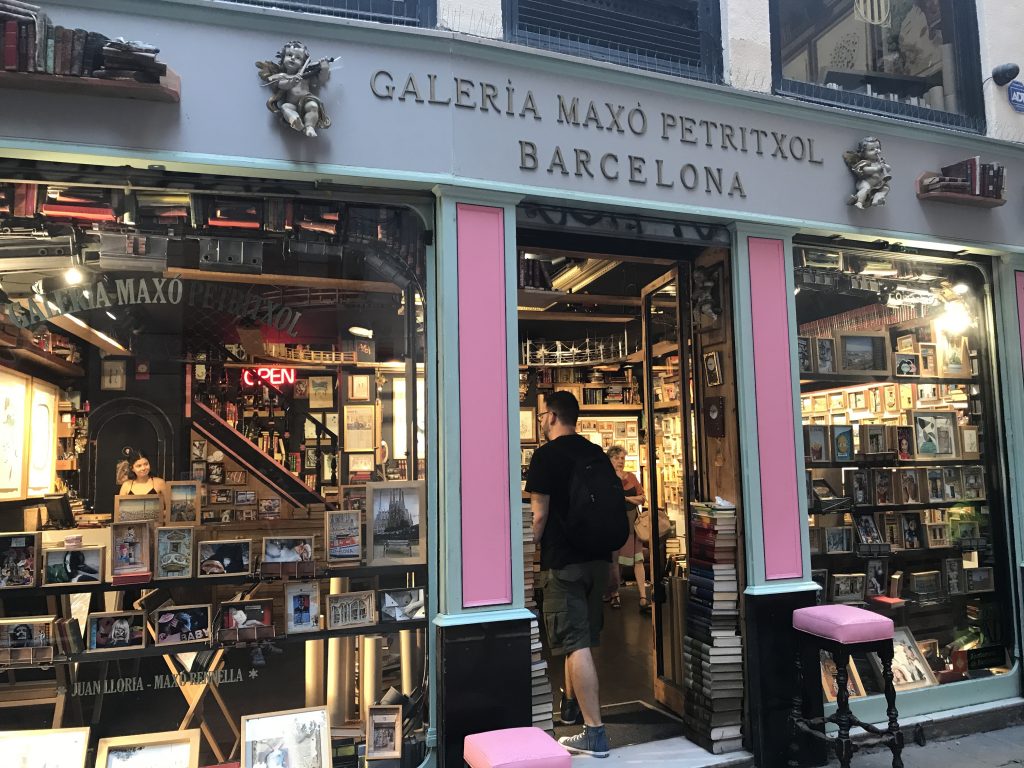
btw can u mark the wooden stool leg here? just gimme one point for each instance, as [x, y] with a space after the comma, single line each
[895, 743]
[843, 744]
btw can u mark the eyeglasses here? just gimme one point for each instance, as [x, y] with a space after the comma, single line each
[542, 415]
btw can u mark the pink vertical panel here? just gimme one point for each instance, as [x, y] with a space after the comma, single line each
[1020, 311]
[483, 407]
[773, 383]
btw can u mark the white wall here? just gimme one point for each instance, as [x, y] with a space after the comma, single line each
[472, 17]
[999, 25]
[747, 45]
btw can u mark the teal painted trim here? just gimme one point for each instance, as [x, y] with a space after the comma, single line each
[781, 588]
[483, 617]
[431, 306]
[381, 178]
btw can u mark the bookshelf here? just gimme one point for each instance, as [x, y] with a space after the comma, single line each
[168, 90]
[959, 198]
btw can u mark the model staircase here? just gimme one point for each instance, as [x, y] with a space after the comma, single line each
[242, 450]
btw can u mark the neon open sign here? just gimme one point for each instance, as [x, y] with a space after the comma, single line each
[275, 376]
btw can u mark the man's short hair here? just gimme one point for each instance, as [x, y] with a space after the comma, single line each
[565, 406]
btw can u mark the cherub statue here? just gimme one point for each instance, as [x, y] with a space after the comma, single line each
[872, 172]
[291, 77]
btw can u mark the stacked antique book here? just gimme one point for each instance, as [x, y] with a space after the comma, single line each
[712, 648]
[541, 685]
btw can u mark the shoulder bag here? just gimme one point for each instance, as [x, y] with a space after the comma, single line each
[642, 526]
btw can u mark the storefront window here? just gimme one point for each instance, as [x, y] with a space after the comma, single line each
[904, 491]
[214, 463]
[913, 58]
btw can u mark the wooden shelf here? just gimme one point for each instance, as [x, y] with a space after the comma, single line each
[625, 408]
[957, 198]
[667, 405]
[534, 297]
[37, 357]
[168, 90]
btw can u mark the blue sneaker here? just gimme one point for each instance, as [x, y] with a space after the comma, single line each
[591, 741]
[569, 711]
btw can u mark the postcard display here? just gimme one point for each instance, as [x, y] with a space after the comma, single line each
[898, 479]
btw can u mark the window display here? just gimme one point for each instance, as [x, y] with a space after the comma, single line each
[897, 428]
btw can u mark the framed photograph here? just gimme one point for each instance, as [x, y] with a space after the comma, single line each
[294, 549]
[198, 450]
[198, 473]
[280, 738]
[361, 462]
[979, 579]
[938, 535]
[222, 496]
[384, 732]
[182, 624]
[825, 355]
[402, 604]
[967, 529]
[891, 398]
[906, 343]
[873, 439]
[839, 539]
[953, 357]
[882, 482]
[905, 443]
[300, 390]
[935, 434]
[952, 483]
[816, 539]
[235, 477]
[929, 360]
[970, 446]
[842, 443]
[935, 489]
[130, 549]
[837, 401]
[352, 609]
[171, 749]
[215, 473]
[359, 387]
[358, 434]
[174, 552]
[909, 668]
[953, 575]
[847, 588]
[343, 536]
[113, 631]
[185, 500]
[820, 577]
[321, 392]
[129, 508]
[891, 529]
[246, 620]
[854, 685]
[907, 396]
[47, 748]
[396, 523]
[877, 577]
[310, 458]
[302, 606]
[224, 557]
[973, 483]
[245, 498]
[270, 508]
[72, 566]
[527, 425]
[867, 529]
[855, 483]
[113, 375]
[911, 531]
[927, 394]
[819, 403]
[864, 353]
[19, 560]
[817, 443]
[906, 364]
[804, 354]
[712, 370]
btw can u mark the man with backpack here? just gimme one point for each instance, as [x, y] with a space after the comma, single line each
[579, 519]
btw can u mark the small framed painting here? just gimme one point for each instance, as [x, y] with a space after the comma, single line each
[842, 443]
[56, 747]
[321, 392]
[225, 557]
[935, 434]
[864, 353]
[245, 498]
[19, 554]
[847, 588]
[130, 549]
[235, 477]
[185, 502]
[910, 670]
[171, 749]
[854, 685]
[115, 631]
[953, 360]
[359, 387]
[215, 473]
[301, 389]
[402, 604]
[302, 606]
[295, 549]
[182, 624]
[286, 738]
[929, 360]
[129, 508]
[527, 425]
[804, 355]
[174, 552]
[817, 444]
[384, 732]
[970, 446]
[358, 432]
[712, 370]
[343, 536]
[72, 566]
[825, 355]
[113, 375]
[352, 609]
[838, 540]
[905, 443]
[222, 496]
[396, 526]
[907, 364]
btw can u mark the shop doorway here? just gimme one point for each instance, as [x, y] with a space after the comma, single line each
[622, 322]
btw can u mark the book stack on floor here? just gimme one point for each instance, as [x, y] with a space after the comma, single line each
[712, 647]
[542, 710]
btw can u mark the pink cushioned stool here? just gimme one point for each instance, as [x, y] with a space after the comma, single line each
[515, 748]
[841, 630]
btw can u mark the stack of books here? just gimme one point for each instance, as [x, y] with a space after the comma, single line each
[123, 60]
[712, 647]
[533, 273]
[542, 700]
[69, 637]
[968, 177]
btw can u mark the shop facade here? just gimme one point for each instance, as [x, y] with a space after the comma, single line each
[464, 141]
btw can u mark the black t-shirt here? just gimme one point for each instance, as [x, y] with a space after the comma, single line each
[549, 473]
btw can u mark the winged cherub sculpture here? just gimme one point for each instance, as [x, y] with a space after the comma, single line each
[871, 171]
[293, 78]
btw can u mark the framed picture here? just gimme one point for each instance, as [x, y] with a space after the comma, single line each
[72, 566]
[867, 529]
[927, 394]
[359, 387]
[967, 529]
[215, 473]
[935, 489]
[891, 530]
[245, 498]
[247, 619]
[842, 443]
[352, 609]
[837, 401]
[19, 560]
[825, 355]
[395, 523]
[114, 631]
[973, 483]
[819, 403]
[113, 375]
[182, 624]
[712, 370]
[294, 549]
[882, 483]
[891, 398]
[804, 355]
[938, 535]
[909, 668]
[953, 575]
[300, 390]
[820, 577]
[864, 353]
[877, 577]
[855, 483]
[222, 496]
[129, 508]
[905, 445]
[361, 462]
[907, 364]
[270, 508]
[907, 396]
[302, 606]
[847, 588]
[343, 536]
[817, 443]
[952, 483]
[321, 392]
[906, 343]
[359, 428]
[970, 447]
[929, 360]
[953, 357]
[873, 439]
[198, 450]
[27, 632]
[979, 579]
[198, 473]
[62, 747]
[908, 486]
[174, 552]
[273, 738]
[402, 604]
[171, 749]
[854, 685]
[309, 460]
[816, 539]
[235, 477]
[527, 425]
[384, 732]
[911, 531]
[185, 502]
[839, 539]
[224, 557]
[935, 434]
[130, 549]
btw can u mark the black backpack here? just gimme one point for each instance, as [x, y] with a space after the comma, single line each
[596, 521]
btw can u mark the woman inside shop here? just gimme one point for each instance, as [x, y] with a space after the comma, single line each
[140, 482]
[632, 552]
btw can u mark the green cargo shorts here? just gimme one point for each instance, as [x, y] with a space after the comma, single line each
[573, 611]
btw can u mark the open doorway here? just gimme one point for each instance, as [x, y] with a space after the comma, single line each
[627, 325]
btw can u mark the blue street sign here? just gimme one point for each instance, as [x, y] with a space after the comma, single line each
[1015, 93]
